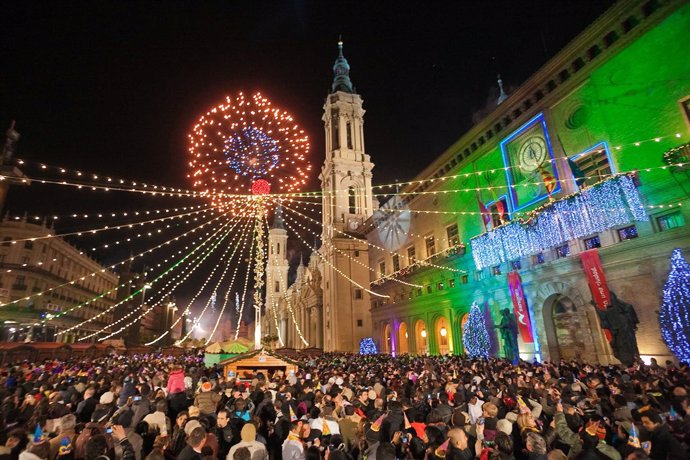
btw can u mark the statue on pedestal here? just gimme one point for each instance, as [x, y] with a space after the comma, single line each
[509, 332]
[620, 318]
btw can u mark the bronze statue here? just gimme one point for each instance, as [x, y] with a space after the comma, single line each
[509, 332]
[620, 318]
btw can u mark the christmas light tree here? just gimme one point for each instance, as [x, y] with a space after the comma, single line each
[367, 346]
[475, 337]
[674, 317]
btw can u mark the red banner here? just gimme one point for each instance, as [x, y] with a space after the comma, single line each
[520, 307]
[597, 281]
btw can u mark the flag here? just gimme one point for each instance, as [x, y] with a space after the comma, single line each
[548, 179]
[38, 433]
[486, 218]
[376, 426]
[522, 406]
[634, 438]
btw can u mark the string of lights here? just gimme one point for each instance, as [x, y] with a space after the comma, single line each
[227, 261]
[180, 281]
[337, 270]
[104, 215]
[137, 292]
[111, 267]
[108, 227]
[240, 308]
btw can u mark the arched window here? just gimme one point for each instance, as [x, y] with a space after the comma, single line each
[351, 200]
[278, 248]
[349, 135]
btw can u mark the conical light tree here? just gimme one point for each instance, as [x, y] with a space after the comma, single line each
[674, 316]
[475, 337]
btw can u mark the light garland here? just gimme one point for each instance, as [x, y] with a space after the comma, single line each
[239, 306]
[367, 346]
[134, 294]
[574, 216]
[111, 267]
[674, 314]
[220, 279]
[184, 278]
[105, 215]
[259, 266]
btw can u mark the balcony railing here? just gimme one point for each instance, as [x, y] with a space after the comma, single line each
[446, 255]
[611, 203]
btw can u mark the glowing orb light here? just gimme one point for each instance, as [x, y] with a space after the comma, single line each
[244, 147]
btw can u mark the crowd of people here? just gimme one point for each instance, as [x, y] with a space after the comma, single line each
[343, 407]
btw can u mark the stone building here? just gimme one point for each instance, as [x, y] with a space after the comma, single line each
[55, 284]
[613, 101]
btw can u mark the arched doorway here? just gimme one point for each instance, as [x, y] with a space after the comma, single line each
[387, 339]
[443, 336]
[403, 339]
[420, 337]
[568, 331]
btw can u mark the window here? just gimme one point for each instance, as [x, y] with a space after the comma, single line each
[593, 242]
[349, 134]
[496, 270]
[336, 137]
[396, 263]
[419, 292]
[360, 323]
[19, 283]
[538, 259]
[562, 251]
[451, 283]
[356, 252]
[351, 200]
[358, 294]
[277, 248]
[428, 289]
[591, 166]
[479, 275]
[6, 241]
[685, 106]
[277, 286]
[439, 286]
[516, 264]
[430, 245]
[452, 233]
[25, 261]
[669, 221]
[498, 212]
[382, 268]
[28, 244]
[627, 233]
[411, 258]
[464, 279]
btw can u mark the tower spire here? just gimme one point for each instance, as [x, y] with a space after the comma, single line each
[278, 218]
[502, 96]
[341, 72]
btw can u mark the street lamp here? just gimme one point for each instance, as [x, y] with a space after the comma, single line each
[443, 332]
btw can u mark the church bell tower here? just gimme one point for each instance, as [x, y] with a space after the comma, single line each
[347, 202]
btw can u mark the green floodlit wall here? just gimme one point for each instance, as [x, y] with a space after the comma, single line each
[633, 97]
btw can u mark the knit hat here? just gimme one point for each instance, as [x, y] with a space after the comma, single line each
[107, 397]
[206, 386]
[504, 426]
[248, 433]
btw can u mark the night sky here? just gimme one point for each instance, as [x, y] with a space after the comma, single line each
[114, 87]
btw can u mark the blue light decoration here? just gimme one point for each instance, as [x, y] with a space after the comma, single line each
[530, 128]
[607, 204]
[251, 152]
[475, 337]
[674, 315]
[367, 346]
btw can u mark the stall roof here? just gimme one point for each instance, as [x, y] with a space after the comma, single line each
[273, 359]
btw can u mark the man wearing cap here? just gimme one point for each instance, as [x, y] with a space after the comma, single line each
[248, 435]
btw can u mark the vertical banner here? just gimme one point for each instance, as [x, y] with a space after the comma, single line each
[591, 263]
[520, 307]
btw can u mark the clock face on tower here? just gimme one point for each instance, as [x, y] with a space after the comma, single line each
[532, 153]
[393, 223]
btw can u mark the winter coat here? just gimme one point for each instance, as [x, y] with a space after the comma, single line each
[175, 382]
[664, 445]
[569, 437]
[207, 401]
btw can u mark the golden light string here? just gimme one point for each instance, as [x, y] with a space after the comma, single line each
[93, 176]
[334, 267]
[110, 267]
[185, 276]
[189, 306]
[107, 227]
[348, 255]
[244, 288]
[106, 215]
[368, 243]
[283, 282]
[112, 307]
[227, 260]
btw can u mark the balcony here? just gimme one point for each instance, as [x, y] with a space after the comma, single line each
[448, 254]
[611, 203]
